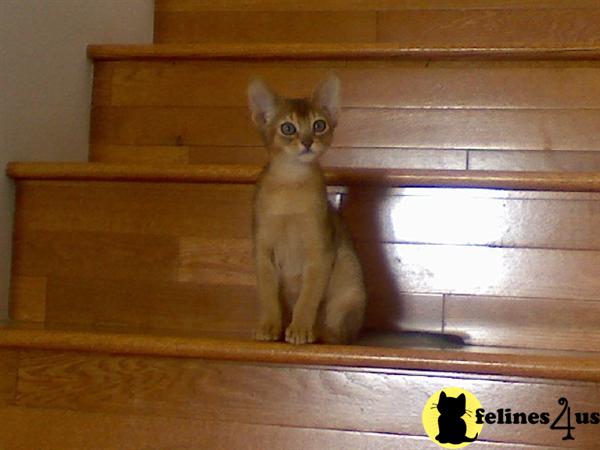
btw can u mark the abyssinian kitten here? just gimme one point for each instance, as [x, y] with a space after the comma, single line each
[310, 281]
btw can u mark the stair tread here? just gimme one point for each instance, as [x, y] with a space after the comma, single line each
[244, 51]
[383, 351]
[247, 174]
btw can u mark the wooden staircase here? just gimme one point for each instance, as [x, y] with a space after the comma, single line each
[466, 164]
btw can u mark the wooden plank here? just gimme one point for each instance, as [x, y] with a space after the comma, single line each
[172, 126]
[153, 304]
[205, 306]
[534, 160]
[216, 261]
[103, 84]
[338, 51]
[405, 312]
[140, 154]
[228, 155]
[433, 128]
[580, 184]
[483, 28]
[337, 157]
[137, 208]
[264, 26]
[9, 363]
[473, 217]
[362, 5]
[524, 322]
[407, 84]
[28, 298]
[406, 158]
[395, 351]
[280, 395]
[101, 255]
[73, 430]
[392, 268]
[470, 129]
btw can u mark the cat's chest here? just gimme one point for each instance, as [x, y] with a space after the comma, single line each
[288, 249]
[289, 202]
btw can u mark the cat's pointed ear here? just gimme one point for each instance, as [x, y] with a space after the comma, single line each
[262, 102]
[462, 399]
[327, 97]
[442, 395]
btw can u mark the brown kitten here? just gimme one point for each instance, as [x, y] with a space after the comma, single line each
[302, 250]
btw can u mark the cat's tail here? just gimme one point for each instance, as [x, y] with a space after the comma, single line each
[468, 439]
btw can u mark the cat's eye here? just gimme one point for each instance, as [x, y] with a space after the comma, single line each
[319, 126]
[288, 128]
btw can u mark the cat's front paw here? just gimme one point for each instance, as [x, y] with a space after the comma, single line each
[268, 332]
[299, 334]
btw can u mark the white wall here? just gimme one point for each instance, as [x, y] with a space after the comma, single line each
[45, 84]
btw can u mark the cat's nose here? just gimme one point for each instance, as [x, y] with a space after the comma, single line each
[307, 143]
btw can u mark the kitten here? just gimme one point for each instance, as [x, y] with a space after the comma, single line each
[302, 250]
[452, 428]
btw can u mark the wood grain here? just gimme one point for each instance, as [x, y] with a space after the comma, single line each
[344, 51]
[147, 254]
[375, 350]
[413, 84]
[206, 307]
[480, 271]
[216, 261]
[336, 157]
[140, 154]
[9, 363]
[264, 26]
[482, 28]
[103, 84]
[74, 430]
[360, 127]
[28, 298]
[472, 217]
[202, 308]
[101, 255]
[534, 160]
[554, 183]
[138, 209]
[405, 312]
[362, 5]
[361, 401]
[524, 322]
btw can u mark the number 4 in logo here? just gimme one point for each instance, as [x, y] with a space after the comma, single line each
[568, 427]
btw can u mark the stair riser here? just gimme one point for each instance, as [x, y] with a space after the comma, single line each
[179, 256]
[451, 24]
[442, 115]
[305, 397]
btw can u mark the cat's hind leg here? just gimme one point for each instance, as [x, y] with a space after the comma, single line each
[344, 309]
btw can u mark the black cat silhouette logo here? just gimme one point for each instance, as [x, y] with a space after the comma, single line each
[449, 418]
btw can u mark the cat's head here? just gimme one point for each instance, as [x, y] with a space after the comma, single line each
[296, 130]
[452, 406]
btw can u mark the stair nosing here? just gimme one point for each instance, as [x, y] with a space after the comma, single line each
[586, 369]
[248, 174]
[330, 51]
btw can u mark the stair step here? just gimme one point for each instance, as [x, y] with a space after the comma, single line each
[167, 246]
[472, 23]
[402, 351]
[377, 393]
[417, 108]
